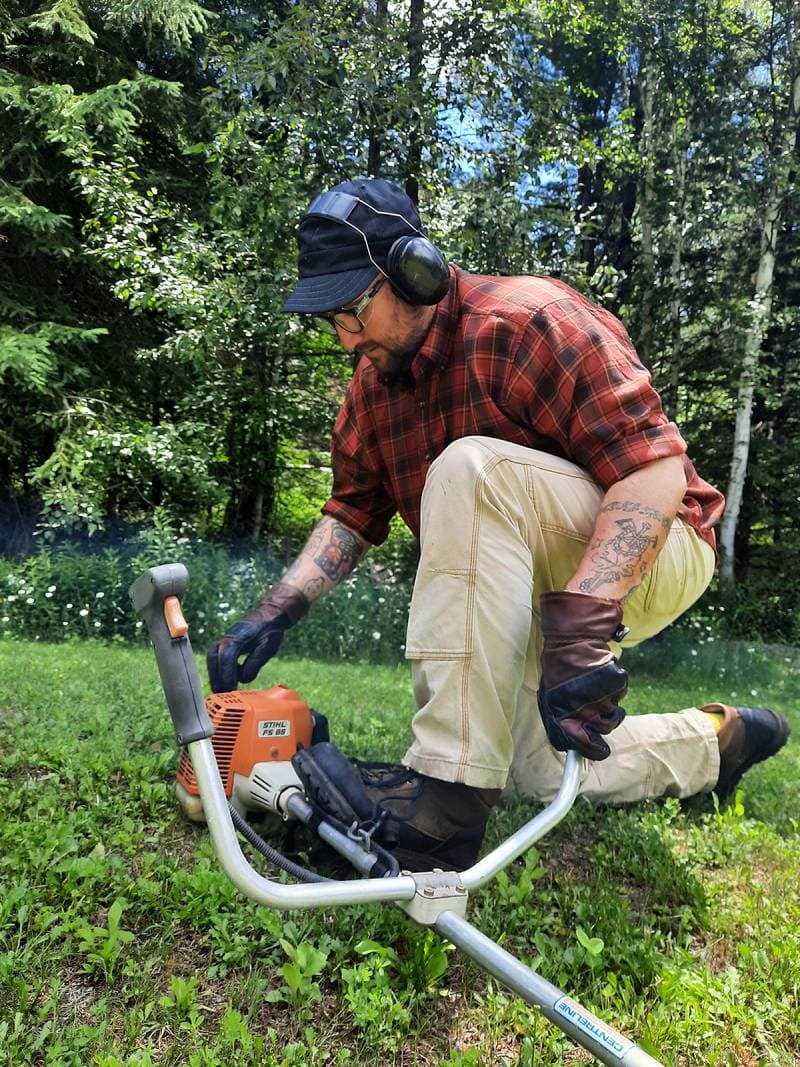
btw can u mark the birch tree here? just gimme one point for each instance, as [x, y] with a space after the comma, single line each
[782, 131]
[647, 88]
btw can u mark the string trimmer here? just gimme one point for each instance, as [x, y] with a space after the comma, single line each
[250, 751]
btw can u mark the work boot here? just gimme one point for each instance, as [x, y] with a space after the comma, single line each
[747, 736]
[432, 823]
[424, 822]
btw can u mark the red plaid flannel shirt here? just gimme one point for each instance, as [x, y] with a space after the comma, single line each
[526, 360]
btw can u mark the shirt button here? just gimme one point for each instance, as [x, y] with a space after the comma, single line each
[428, 456]
[422, 403]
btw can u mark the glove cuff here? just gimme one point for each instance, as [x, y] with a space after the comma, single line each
[576, 615]
[281, 599]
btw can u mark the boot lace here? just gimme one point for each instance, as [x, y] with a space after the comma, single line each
[387, 778]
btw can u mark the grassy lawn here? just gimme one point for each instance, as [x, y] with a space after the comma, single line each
[122, 943]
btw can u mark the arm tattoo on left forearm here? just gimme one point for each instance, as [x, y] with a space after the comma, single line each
[631, 551]
[314, 588]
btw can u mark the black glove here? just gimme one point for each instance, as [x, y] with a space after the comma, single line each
[582, 683]
[258, 636]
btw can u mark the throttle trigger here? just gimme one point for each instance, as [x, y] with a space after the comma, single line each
[176, 624]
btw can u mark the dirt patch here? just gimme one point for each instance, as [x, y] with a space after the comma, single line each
[77, 994]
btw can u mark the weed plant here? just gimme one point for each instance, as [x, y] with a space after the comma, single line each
[122, 943]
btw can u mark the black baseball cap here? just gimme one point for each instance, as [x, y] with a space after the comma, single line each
[345, 246]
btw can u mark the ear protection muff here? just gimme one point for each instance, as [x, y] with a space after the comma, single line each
[415, 268]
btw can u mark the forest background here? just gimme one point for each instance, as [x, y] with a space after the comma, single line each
[155, 157]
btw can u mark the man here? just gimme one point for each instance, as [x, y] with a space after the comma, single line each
[511, 424]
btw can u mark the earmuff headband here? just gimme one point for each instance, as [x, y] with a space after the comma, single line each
[338, 207]
[419, 278]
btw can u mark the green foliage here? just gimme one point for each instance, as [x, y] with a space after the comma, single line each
[147, 471]
[25, 356]
[102, 945]
[122, 942]
[155, 156]
[299, 988]
[64, 593]
[762, 607]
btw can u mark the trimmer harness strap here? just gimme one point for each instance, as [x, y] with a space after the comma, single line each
[335, 791]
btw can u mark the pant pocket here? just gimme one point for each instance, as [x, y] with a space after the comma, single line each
[440, 623]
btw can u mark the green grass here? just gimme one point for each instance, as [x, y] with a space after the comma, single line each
[122, 943]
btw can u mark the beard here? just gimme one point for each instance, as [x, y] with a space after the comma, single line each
[393, 358]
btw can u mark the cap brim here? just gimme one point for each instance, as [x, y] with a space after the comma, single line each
[326, 292]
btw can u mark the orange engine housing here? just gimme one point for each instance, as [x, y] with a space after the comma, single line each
[251, 726]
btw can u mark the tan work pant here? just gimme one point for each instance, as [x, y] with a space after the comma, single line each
[502, 524]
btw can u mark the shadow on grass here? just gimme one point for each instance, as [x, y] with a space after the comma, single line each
[613, 874]
[672, 672]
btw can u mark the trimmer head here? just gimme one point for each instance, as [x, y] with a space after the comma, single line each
[256, 733]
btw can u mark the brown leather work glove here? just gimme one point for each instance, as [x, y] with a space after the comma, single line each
[582, 683]
[258, 636]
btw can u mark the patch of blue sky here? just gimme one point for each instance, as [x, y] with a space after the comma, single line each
[484, 148]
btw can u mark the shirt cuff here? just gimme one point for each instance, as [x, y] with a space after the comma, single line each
[367, 526]
[630, 453]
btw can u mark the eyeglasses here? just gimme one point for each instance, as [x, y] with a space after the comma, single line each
[349, 319]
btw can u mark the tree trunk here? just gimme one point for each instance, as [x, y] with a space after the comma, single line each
[586, 217]
[258, 515]
[377, 119]
[679, 165]
[755, 335]
[416, 54]
[644, 344]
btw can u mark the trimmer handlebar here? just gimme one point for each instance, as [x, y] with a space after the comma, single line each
[156, 597]
[435, 899]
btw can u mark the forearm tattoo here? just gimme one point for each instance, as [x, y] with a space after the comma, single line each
[314, 588]
[337, 551]
[334, 549]
[630, 552]
[640, 509]
[311, 589]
